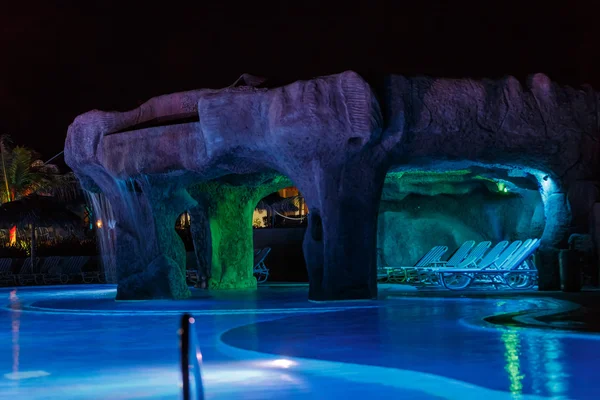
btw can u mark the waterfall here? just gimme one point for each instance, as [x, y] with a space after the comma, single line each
[130, 215]
[105, 234]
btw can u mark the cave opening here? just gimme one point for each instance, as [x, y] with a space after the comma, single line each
[421, 208]
[279, 221]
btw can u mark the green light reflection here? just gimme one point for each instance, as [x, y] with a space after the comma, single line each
[512, 348]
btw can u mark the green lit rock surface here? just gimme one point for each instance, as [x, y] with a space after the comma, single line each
[229, 206]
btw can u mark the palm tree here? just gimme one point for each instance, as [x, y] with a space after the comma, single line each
[25, 174]
[5, 142]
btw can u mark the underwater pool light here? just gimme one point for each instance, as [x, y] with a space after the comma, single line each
[17, 376]
[283, 363]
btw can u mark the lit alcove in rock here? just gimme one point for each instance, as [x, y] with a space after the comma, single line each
[222, 226]
[423, 209]
[226, 228]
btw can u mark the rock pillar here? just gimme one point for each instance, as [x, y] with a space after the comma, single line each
[228, 208]
[341, 239]
[162, 273]
[555, 237]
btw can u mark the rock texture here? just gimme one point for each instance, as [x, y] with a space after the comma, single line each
[330, 137]
[229, 205]
[411, 226]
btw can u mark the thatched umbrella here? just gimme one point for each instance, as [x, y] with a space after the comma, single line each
[36, 211]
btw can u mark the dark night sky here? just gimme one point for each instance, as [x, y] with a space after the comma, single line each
[59, 61]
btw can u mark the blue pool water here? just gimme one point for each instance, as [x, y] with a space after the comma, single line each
[76, 342]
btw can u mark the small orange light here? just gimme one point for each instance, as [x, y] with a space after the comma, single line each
[99, 224]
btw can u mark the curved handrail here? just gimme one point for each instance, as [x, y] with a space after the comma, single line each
[192, 386]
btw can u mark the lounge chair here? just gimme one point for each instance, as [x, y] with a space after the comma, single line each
[52, 273]
[474, 256]
[6, 274]
[27, 274]
[411, 274]
[496, 257]
[73, 267]
[516, 265]
[461, 258]
[457, 257]
[523, 275]
[261, 272]
[488, 259]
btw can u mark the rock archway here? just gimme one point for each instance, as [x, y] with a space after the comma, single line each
[335, 139]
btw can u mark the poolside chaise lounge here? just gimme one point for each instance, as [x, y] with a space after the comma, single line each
[52, 271]
[494, 258]
[73, 269]
[457, 257]
[476, 259]
[516, 271]
[400, 274]
[27, 272]
[462, 258]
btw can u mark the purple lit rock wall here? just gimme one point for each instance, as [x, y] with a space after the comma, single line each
[330, 137]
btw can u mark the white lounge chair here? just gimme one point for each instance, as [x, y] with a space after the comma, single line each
[523, 275]
[488, 259]
[406, 274]
[515, 265]
[498, 255]
[261, 272]
[474, 256]
[457, 257]
[460, 259]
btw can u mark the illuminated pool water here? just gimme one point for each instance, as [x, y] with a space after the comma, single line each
[76, 342]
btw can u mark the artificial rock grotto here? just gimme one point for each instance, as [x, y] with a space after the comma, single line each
[217, 152]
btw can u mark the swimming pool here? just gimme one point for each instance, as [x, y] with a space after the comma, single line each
[76, 342]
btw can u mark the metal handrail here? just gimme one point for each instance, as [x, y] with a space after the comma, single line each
[190, 360]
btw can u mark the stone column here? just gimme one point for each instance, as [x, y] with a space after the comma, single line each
[554, 238]
[229, 207]
[201, 236]
[340, 246]
[163, 270]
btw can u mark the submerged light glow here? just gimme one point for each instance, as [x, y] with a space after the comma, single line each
[512, 346]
